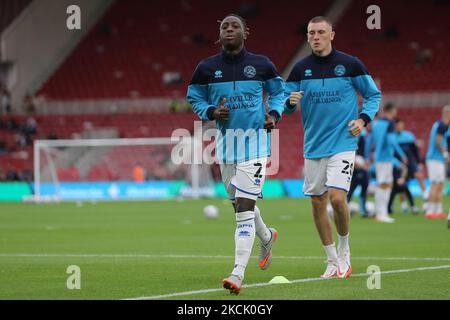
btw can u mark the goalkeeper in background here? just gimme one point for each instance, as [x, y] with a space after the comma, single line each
[228, 88]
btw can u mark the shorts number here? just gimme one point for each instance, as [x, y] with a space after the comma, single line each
[348, 169]
[258, 172]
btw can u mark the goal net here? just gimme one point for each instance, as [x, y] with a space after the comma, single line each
[118, 169]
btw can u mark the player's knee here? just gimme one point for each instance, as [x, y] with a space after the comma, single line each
[243, 204]
[319, 201]
[338, 199]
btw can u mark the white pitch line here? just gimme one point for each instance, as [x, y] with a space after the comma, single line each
[187, 256]
[265, 284]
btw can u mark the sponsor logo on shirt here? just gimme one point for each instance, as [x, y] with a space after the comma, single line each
[308, 73]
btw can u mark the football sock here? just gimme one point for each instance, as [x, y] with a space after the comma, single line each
[262, 231]
[439, 207]
[343, 243]
[244, 238]
[378, 201]
[431, 208]
[382, 201]
[331, 252]
[404, 206]
[386, 195]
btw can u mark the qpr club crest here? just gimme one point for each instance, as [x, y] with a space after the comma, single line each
[339, 70]
[250, 71]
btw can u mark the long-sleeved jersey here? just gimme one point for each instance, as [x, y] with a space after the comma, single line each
[407, 141]
[242, 80]
[330, 101]
[385, 141]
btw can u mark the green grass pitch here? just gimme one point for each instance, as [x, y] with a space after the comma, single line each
[147, 249]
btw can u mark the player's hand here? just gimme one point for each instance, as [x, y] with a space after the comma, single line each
[401, 181]
[269, 123]
[356, 127]
[221, 113]
[405, 161]
[295, 97]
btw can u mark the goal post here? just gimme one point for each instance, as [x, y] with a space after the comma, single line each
[117, 169]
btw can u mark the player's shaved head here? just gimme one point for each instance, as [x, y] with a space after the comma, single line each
[388, 107]
[446, 108]
[320, 34]
[446, 114]
[390, 111]
[321, 19]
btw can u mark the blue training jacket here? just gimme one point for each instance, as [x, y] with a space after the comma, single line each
[242, 80]
[434, 152]
[330, 101]
[407, 141]
[385, 141]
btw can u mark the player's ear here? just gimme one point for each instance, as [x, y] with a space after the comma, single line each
[332, 35]
[246, 33]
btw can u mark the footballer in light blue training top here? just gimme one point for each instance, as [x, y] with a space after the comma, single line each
[327, 82]
[228, 88]
[436, 159]
[385, 143]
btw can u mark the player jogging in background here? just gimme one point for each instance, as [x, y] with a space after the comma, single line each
[448, 169]
[400, 186]
[360, 173]
[385, 145]
[407, 141]
[327, 83]
[436, 158]
[228, 88]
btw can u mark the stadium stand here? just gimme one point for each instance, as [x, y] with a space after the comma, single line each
[418, 120]
[130, 49]
[409, 53]
[9, 10]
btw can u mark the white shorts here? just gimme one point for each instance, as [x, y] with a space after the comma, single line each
[245, 179]
[436, 171]
[384, 172]
[330, 172]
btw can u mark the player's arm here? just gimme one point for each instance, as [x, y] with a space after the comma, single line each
[415, 151]
[368, 150]
[197, 95]
[439, 140]
[364, 84]
[292, 93]
[274, 86]
[403, 174]
[393, 141]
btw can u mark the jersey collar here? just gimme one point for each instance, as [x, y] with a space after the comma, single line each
[234, 59]
[326, 58]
